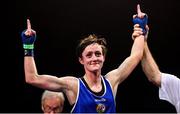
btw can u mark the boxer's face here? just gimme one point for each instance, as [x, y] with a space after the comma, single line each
[92, 58]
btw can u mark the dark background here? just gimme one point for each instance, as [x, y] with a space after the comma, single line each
[61, 23]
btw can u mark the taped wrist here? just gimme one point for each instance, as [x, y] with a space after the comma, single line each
[29, 52]
[28, 49]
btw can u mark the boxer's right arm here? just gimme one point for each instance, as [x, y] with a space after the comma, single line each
[31, 75]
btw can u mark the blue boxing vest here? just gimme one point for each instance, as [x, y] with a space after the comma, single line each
[88, 102]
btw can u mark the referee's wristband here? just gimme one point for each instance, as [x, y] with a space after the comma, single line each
[29, 52]
[28, 46]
